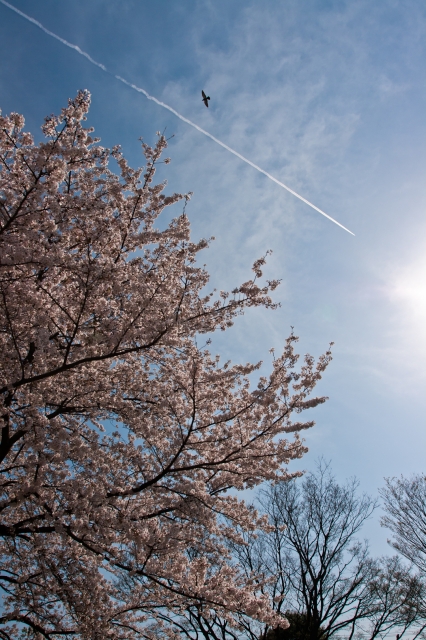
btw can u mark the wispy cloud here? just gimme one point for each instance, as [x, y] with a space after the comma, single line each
[176, 113]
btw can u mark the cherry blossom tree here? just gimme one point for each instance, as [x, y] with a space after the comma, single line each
[120, 434]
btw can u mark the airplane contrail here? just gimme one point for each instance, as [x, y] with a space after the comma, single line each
[166, 106]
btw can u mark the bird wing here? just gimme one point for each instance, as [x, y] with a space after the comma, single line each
[204, 95]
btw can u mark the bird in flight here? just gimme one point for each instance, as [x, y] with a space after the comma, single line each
[205, 98]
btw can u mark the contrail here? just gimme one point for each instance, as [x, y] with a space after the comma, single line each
[50, 33]
[225, 146]
[166, 106]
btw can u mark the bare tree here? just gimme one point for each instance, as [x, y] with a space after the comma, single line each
[321, 568]
[397, 599]
[404, 501]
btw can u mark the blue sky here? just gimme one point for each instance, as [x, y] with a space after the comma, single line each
[330, 98]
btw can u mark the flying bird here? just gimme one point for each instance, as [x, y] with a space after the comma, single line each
[205, 98]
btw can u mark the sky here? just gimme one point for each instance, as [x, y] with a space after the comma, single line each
[327, 96]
